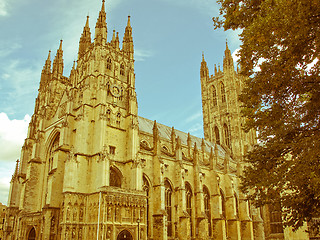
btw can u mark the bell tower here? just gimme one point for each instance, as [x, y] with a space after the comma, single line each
[222, 121]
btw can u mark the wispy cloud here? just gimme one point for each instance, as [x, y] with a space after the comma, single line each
[3, 8]
[194, 117]
[142, 55]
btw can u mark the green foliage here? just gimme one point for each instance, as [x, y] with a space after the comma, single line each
[279, 53]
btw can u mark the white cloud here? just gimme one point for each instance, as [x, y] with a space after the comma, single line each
[3, 8]
[193, 117]
[12, 135]
[234, 55]
[141, 55]
[4, 188]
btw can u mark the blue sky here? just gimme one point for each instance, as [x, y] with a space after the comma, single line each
[169, 38]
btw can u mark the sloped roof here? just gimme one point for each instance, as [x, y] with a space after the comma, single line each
[146, 125]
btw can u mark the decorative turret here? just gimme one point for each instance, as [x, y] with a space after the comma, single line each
[227, 59]
[127, 43]
[101, 26]
[46, 72]
[85, 39]
[204, 71]
[57, 68]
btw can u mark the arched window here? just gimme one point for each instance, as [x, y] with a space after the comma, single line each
[189, 204]
[121, 69]
[226, 135]
[109, 63]
[146, 188]
[207, 209]
[54, 146]
[108, 113]
[32, 234]
[236, 205]
[223, 204]
[118, 118]
[223, 92]
[217, 135]
[214, 96]
[115, 177]
[275, 218]
[168, 205]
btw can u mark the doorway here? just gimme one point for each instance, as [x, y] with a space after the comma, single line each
[125, 235]
[32, 234]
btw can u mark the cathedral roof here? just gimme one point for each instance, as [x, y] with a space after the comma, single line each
[146, 125]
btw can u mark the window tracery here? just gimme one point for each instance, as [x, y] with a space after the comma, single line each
[122, 69]
[214, 96]
[217, 135]
[189, 205]
[115, 178]
[223, 92]
[226, 135]
[53, 148]
[168, 206]
[109, 63]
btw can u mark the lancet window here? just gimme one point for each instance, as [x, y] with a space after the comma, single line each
[223, 204]
[32, 234]
[115, 178]
[226, 135]
[121, 69]
[168, 206]
[236, 205]
[207, 210]
[146, 188]
[217, 135]
[223, 92]
[275, 218]
[109, 63]
[189, 205]
[53, 148]
[214, 96]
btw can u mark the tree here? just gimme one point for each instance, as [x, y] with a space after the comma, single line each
[281, 101]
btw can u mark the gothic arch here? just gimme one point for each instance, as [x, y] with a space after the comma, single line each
[217, 135]
[222, 92]
[147, 188]
[226, 133]
[53, 135]
[32, 235]
[122, 69]
[125, 235]
[115, 178]
[223, 203]
[214, 96]
[207, 207]
[169, 206]
[189, 196]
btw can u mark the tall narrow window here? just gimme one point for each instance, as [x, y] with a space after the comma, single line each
[214, 96]
[226, 135]
[275, 218]
[168, 205]
[217, 135]
[223, 204]
[207, 209]
[146, 188]
[115, 178]
[223, 92]
[109, 62]
[53, 148]
[121, 69]
[236, 205]
[189, 205]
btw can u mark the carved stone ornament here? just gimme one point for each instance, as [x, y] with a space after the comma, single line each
[115, 90]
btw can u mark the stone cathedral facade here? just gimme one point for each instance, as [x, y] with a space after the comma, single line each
[91, 168]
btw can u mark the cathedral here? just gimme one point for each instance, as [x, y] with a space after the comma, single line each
[91, 168]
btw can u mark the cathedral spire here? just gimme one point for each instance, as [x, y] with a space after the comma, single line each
[57, 68]
[127, 43]
[227, 59]
[101, 26]
[46, 71]
[85, 39]
[204, 71]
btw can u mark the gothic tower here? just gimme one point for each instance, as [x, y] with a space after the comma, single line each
[222, 121]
